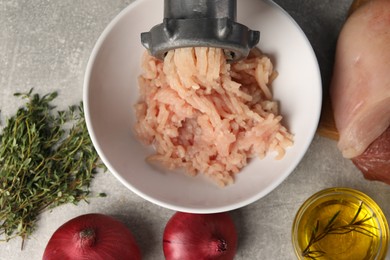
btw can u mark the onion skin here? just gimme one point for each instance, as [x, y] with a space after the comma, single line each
[200, 236]
[92, 237]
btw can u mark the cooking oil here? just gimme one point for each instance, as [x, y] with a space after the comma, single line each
[340, 223]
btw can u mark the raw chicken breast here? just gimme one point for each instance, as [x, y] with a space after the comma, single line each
[360, 88]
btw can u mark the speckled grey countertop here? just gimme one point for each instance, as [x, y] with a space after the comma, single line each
[46, 45]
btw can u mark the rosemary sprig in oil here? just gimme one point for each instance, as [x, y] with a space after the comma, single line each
[355, 225]
[46, 159]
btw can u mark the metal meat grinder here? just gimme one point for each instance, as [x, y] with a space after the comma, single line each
[200, 23]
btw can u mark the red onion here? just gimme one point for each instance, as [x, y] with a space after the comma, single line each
[200, 236]
[92, 236]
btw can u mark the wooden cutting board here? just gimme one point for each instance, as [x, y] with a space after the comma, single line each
[327, 126]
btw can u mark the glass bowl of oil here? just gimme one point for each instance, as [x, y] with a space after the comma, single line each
[340, 223]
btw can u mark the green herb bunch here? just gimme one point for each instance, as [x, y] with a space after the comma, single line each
[46, 159]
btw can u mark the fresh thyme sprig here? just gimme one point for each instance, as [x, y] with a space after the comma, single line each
[330, 228]
[46, 159]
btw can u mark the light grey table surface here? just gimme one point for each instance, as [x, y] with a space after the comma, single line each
[46, 45]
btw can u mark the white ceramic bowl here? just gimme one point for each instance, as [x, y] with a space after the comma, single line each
[111, 90]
